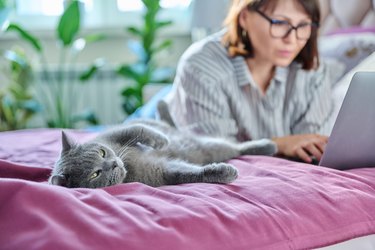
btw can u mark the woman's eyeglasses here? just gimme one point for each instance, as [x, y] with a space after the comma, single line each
[282, 28]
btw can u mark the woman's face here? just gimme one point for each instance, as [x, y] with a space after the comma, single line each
[279, 51]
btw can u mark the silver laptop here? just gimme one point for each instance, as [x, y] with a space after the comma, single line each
[352, 141]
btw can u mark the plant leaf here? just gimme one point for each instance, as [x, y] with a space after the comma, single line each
[130, 92]
[94, 38]
[26, 36]
[134, 31]
[87, 116]
[8, 111]
[90, 72]
[131, 103]
[129, 72]
[51, 124]
[3, 4]
[31, 106]
[152, 5]
[12, 56]
[165, 44]
[69, 23]
[162, 24]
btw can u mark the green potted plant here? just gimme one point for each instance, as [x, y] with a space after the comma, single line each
[145, 46]
[17, 104]
[59, 100]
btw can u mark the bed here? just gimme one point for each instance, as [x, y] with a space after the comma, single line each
[274, 204]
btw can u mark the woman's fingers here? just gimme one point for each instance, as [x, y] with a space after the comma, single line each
[303, 155]
[314, 150]
[302, 146]
[321, 143]
[313, 146]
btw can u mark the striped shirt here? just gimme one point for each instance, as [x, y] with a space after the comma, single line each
[215, 94]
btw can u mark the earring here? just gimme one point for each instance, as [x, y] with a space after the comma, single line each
[244, 35]
[246, 42]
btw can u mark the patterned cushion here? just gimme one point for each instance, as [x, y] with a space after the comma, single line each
[349, 46]
[338, 14]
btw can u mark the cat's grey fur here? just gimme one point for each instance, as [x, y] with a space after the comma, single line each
[151, 152]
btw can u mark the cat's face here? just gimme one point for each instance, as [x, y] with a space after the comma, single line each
[89, 165]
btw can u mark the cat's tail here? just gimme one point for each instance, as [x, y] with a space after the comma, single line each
[164, 114]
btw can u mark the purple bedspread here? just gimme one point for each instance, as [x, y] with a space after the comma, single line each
[274, 204]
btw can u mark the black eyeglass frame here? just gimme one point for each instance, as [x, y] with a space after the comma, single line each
[313, 25]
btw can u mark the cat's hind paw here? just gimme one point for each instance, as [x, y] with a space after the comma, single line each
[219, 173]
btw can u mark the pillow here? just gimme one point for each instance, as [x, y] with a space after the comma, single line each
[349, 46]
[341, 87]
[352, 30]
[148, 110]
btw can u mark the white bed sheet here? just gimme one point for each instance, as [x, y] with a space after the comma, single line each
[360, 243]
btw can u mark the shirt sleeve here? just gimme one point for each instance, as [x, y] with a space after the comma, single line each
[316, 98]
[199, 103]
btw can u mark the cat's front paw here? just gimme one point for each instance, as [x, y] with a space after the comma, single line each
[219, 173]
[160, 142]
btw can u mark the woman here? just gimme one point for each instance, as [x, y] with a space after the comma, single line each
[259, 78]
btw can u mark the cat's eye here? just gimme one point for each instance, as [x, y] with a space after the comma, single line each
[95, 174]
[102, 152]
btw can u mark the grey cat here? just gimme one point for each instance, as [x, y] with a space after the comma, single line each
[151, 152]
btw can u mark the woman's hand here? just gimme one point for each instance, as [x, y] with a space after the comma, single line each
[304, 146]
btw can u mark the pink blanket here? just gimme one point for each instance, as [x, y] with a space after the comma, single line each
[274, 204]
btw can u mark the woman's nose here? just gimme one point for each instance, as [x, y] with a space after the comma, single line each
[291, 36]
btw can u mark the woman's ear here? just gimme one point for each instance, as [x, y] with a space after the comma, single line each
[242, 18]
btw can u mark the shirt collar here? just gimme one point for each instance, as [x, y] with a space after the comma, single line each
[242, 72]
[281, 74]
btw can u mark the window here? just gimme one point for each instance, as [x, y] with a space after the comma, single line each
[124, 5]
[175, 10]
[40, 7]
[136, 5]
[46, 7]
[100, 14]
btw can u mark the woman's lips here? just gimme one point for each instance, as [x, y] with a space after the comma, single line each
[284, 53]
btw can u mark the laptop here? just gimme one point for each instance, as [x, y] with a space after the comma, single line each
[352, 140]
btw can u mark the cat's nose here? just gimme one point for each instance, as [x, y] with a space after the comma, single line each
[110, 165]
[114, 165]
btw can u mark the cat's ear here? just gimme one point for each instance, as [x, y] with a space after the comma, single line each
[58, 180]
[67, 142]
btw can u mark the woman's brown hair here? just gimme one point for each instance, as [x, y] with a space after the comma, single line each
[239, 45]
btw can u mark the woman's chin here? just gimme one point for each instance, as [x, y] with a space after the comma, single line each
[283, 62]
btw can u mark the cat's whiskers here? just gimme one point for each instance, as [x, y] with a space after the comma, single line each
[125, 147]
[122, 153]
[132, 141]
